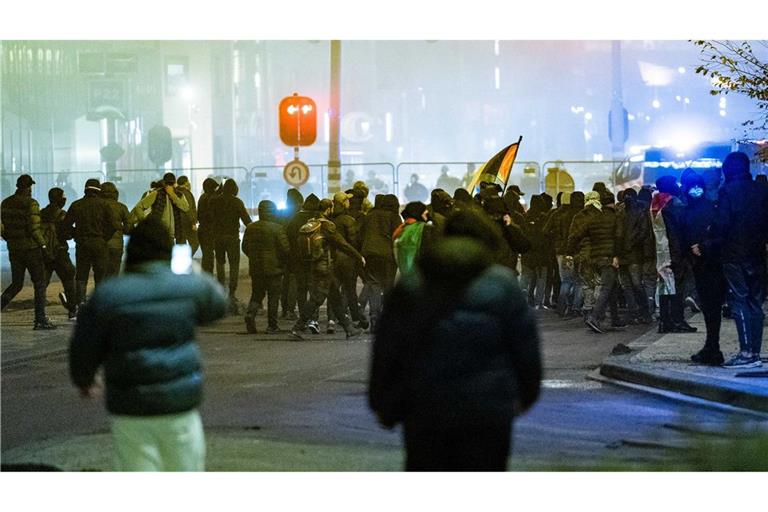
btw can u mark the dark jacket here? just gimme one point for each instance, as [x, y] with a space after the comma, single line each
[92, 218]
[51, 222]
[141, 327]
[188, 218]
[228, 211]
[698, 228]
[309, 211]
[347, 227]
[110, 194]
[205, 215]
[558, 226]
[377, 228]
[20, 215]
[533, 229]
[456, 344]
[634, 234]
[743, 220]
[599, 227]
[266, 245]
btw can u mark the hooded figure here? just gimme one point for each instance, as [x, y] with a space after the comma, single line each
[206, 229]
[409, 237]
[456, 400]
[743, 228]
[440, 207]
[266, 246]
[115, 244]
[228, 211]
[666, 220]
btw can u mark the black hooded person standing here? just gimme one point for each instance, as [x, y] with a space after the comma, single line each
[318, 242]
[94, 224]
[27, 248]
[51, 221]
[743, 227]
[266, 246]
[666, 220]
[140, 327]
[294, 202]
[206, 231]
[115, 244]
[189, 219]
[228, 212]
[456, 353]
[703, 251]
[376, 230]
[345, 267]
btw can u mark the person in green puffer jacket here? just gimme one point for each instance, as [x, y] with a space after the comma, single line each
[412, 236]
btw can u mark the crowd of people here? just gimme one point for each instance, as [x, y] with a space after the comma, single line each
[635, 257]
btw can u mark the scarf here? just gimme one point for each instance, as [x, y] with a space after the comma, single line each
[659, 201]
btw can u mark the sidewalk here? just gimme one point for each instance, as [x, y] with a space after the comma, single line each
[663, 362]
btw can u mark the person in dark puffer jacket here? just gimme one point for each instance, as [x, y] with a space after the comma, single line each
[456, 355]
[111, 195]
[141, 328]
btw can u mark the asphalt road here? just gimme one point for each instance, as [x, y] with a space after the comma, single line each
[272, 403]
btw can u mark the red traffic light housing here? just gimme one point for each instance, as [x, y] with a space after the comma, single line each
[298, 121]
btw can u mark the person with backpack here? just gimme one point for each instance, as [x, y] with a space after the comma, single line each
[345, 267]
[309, 210]
[317, 242]
[51, 222]
[266, 246]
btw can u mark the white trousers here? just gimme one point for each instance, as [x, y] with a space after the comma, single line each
[170, 442]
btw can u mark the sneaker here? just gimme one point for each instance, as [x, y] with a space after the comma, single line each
[313, 327]
[273, 330]
[741, 361]
[63, 300]
[72, 315]
[691, 303]
[594, 325]
[331, 329]
[708, 358]
[43, 325]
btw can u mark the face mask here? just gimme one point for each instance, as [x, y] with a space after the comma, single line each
[696, 192]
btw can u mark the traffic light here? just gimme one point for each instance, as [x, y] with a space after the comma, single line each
[160, 146]
[298, 121]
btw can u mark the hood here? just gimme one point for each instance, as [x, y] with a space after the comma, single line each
[538, 205]
[462, 196]
[230, 187]
[390, 202]
[414, 210]
[109, 191]
[454, 261]
[210, 185]
[736, 166]
[293, 199]
[667, 185]
[577, 200]
[441, 201]
[267, 210]
[311, 203]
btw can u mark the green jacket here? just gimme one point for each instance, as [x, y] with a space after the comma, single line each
[407, 246]
[20, 215]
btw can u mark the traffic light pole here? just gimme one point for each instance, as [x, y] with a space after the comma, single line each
[334, 157]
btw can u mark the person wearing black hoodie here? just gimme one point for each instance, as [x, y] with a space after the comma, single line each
[633, 233]
[743, 227]
[376, 230]
[703, 251]
[456, 353]
[206, 231]
[535, 261]
[294, 202]
[266, 246]
[228, 212]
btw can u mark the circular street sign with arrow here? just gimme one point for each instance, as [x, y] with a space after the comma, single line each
[296, 173]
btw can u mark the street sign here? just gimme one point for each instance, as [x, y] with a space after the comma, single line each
[298, 121]
[106, 93]
[296, 173]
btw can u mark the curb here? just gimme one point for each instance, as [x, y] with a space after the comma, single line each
[736, 394]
